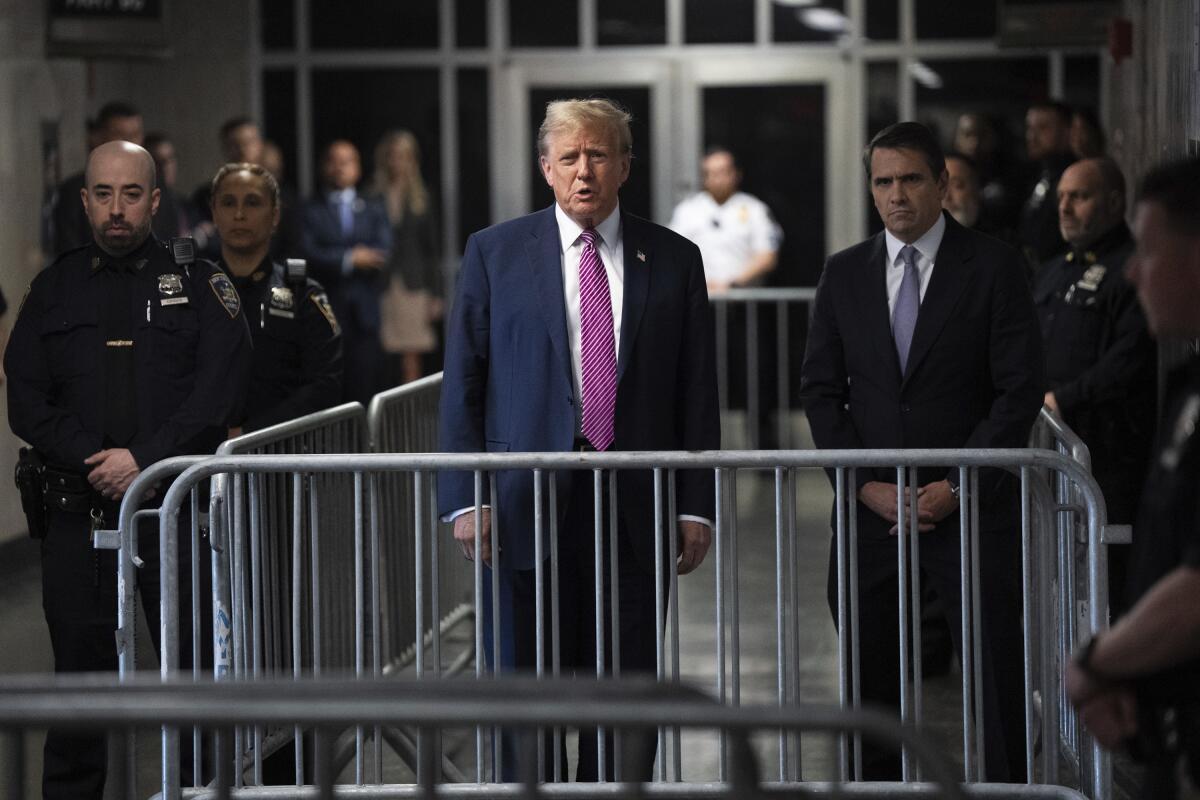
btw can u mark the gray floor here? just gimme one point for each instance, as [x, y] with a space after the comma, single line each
[24, 645]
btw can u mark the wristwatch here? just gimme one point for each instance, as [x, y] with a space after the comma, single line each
[955, 489]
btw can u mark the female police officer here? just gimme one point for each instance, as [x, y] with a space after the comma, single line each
[297, 341]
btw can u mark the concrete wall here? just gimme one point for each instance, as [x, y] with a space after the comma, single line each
[188, 94]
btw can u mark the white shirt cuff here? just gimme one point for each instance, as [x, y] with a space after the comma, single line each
[458, 512]
[693, 518]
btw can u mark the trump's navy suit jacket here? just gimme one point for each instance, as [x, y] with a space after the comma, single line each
[509, 386]
[974, 372]
[354, 294]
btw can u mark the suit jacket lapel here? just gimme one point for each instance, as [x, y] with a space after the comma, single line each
[950, 277]
[637, 284]
[874, 302]
[544, 251]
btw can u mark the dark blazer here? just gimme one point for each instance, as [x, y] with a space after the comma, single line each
[508, 382]
[355, 295]
[974, 374]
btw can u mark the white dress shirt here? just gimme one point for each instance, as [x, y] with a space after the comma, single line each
[729, 234]
[926, 247]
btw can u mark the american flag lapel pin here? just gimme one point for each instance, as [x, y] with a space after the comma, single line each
[641, 256]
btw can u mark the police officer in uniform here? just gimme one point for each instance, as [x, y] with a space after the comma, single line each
[1100, 359]
[297, 339]
[121, 355]
[1138, 683]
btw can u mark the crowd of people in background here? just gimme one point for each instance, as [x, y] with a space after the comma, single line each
[376, 254]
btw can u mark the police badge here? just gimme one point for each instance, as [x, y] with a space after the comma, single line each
[282, 302]
[170, 290]
[226, 293]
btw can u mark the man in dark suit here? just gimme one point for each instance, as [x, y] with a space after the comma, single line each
[579, 327]
[346, 239]
[924, 336]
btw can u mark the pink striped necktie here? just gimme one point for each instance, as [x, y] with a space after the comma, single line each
[597, 349]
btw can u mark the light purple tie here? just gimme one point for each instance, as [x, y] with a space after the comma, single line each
[597, 350]
[908, 303]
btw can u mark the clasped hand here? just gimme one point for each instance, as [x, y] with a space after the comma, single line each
[935, 502]
[113, 471]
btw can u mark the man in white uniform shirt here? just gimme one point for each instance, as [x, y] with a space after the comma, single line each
[735, 231]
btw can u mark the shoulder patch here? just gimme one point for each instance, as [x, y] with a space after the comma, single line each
[226, 293]
[321, 301]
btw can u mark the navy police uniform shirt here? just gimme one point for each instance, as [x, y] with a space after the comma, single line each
[1101, 362]
[297, 347]
[133, 352]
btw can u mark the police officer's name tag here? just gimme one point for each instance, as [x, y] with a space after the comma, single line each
[170, 290]
[282, 303]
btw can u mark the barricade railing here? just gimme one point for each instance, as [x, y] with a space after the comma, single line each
[405, 420]
[520, 704]
[1041, 670]
[738, 315]
[1070, 576]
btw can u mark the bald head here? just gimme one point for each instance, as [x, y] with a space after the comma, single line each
[1091, 200]
[119, 196]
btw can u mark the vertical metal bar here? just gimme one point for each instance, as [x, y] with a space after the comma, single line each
[314, 515]
[966, 499]
[660, 612]
[915, 609]
[168, 572]
[614, 592]
[673, 567]
[477, 564]
[781, 624]
[753, 411]
[735, 663]
[555, 647]
[598, 599]
[783, 376]
[194, 502]
[977, 625]
[376, 622]
[238, 591]
[435, 605]
[497, 732]
[360, 624]
[902, 578]
[539, 610]
[852, 553]
[1027, 617]
[719, 548]
[794, 622]
[843, 621]
[297, 610]
[253, 484]
[419, 605]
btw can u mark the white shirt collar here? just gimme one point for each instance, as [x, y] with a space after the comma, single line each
[569, 230]
[927, 245]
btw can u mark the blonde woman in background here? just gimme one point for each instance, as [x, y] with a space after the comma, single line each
[412, 302]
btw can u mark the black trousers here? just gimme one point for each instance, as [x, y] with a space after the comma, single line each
[79, 598]
[577, 629]
[879, 638]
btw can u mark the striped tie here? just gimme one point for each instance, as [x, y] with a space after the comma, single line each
[597, 349]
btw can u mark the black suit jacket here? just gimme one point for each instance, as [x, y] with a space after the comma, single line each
[974, 374]
[509, 385]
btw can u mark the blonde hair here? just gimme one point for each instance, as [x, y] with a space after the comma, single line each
[413, 196]
[272, 185]
[591, 114]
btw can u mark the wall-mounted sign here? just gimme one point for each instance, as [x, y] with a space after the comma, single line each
[1055, 22]
[120, 28]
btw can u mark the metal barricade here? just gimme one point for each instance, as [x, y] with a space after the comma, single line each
[524, 705]
[405, 420]
[738, 316]
[1066, 561]
[1040, 670]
